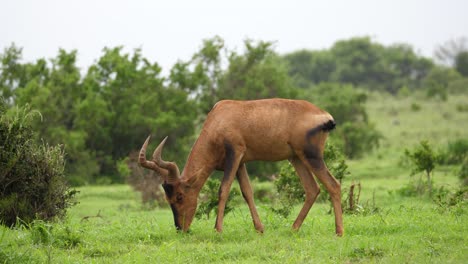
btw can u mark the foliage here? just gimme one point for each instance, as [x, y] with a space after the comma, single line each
[209, 199]
[461, 63]
[32, 179]
[289, 189]
[422, 159]
[463, 172]
[449, 200]
[438, 80]
[361, 62]
[102, 116]
[147, 182]
[447, 52]
[355, 135]
[456, 152]
[256, 73]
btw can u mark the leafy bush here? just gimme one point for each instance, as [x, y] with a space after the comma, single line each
[456, 152]
[209, 199]
[422, 160]
[354, 134]
[415, 107]
[32, 179]
[451, 200]
[358, 138]
[289, 188]
[463, 172]
[147, 182]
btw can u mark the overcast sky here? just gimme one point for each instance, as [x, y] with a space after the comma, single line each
[174, 29]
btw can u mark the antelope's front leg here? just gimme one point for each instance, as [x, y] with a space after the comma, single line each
[232, 161]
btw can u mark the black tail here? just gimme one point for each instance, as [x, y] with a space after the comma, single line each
[329, 126]
[325, 127]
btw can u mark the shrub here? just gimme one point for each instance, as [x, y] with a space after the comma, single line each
[463, 172]
[415, 107]
[358, 138]
[456, 152]
[147, 182]
[354, 134]
[290, 190]
[209, 199]
[451, 200]
[32, 179]
[422, 160]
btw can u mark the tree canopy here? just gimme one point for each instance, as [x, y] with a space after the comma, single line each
[101, 115]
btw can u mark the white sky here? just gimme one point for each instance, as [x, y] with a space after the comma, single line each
[174, 29]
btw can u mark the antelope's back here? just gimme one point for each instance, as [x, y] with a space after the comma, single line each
[266, 127]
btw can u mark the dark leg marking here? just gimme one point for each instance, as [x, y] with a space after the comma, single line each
[228, 163]
[313, 156]
[228, 159]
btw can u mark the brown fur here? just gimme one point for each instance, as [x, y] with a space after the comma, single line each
[236, 132]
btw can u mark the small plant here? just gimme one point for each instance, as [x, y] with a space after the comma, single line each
[209, 199]
[290, 190]
[447, 200]
[422, 160]
[415, 107]
[456, 152]
[371, 252]
[462, 107]
[351, 204]
[463, 172]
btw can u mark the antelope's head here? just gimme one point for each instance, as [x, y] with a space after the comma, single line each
[179, 195]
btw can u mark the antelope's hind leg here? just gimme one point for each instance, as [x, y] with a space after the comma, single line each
[313, 159]
[311, 190]
[247, 193]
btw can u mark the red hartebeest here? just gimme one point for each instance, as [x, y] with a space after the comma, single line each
[236, 132]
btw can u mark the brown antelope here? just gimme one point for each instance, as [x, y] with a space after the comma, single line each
[236, 132]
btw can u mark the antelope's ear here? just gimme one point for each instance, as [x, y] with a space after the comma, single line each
[190, 182]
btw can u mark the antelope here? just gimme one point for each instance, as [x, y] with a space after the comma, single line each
[236, 132]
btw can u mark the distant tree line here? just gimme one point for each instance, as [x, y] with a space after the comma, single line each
[102, 116]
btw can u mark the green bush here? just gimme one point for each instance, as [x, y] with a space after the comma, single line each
[32, 179]
[422, 159]
[354, 134]
[209, 199]
[463, 172]
[289, 188]
[456, 152]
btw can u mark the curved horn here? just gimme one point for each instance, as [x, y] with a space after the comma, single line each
[174, 173]
[149, 164]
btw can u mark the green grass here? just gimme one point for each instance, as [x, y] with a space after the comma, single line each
[109, 225]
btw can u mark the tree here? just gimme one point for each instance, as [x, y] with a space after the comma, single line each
[438, 80]
[11, 73]
[354, 135]
[360, 62]
[311, 67]
[125, 101]
[447, 52]
[56, 92]
[201, 76]
[461, 63]
[257, 73]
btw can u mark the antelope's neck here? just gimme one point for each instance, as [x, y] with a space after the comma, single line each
[200, 164]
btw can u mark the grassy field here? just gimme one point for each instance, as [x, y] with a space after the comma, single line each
[109, 225]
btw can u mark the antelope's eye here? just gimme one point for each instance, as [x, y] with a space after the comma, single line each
[179, 197]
